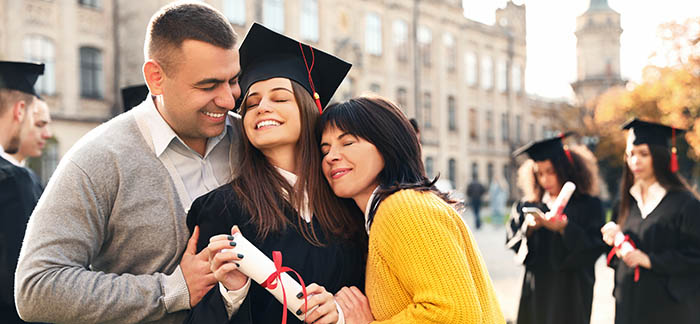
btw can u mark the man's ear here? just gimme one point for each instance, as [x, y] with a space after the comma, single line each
[154, 75]
[19, 111]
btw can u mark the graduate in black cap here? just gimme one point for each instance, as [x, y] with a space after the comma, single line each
[657, 280]
[558, 254]
[17, 194]
[280, 200]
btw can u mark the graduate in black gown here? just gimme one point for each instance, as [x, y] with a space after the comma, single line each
[18, 194]
[558, 254]
[280, 200]
[660, 214]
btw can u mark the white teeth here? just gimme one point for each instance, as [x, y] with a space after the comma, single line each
[267, 123]
[213, 115]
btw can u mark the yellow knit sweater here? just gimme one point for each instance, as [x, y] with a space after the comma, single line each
[424, 266]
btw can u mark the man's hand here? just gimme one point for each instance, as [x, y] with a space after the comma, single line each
[195, 269]
[355, 306]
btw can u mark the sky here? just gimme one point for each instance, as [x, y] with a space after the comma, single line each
[551, 43]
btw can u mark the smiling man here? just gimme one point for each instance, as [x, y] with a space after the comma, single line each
[110, 229]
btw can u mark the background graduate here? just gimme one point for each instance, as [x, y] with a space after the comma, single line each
[280, 201]
[661, 215]
[559, 255]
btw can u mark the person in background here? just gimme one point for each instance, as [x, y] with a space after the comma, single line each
[498, 193]
[475, 191]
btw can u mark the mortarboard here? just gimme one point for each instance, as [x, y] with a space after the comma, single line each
[547, 149]
[645, 132]
[20, 76]
[266, 54]
[132, 96]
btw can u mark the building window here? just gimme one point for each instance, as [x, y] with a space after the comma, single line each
[40, 49]
[425, 40]
[89, 3]
[273, 15]
[309, 20]
[402, 98]
[373, 34]
[516, 80]
[429, 167]
[489, 127]
[473, 124]
[518, 128]
[91, 80]
[452, 172]
[401, 40]
[505, 128]
[487, 73]
[489, 172]
[451, 113]
[427, 111]
[451, 52]
[375, 88]
[470, 73]
[235, 11]
[475, 171]
[502, 76]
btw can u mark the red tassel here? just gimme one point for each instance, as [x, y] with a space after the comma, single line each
[674, 161]
[317, 99]
[568, 154]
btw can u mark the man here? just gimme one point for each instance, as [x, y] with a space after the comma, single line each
[17, 197]
[108, 241]
[474, 192]
[33, 140]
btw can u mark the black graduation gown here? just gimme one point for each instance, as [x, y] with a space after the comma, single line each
[559, 269]
[18, 198]
[338, 264]
[670, 291]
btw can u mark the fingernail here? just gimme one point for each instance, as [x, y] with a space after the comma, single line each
[301, 294]
[240, 256]
[232, 243]
[299, 312]
[238, 265]
[230, 237]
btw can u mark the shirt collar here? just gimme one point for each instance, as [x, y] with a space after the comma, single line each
[547, 200]
[163, 134]
[369, 207]
[655, 193]
[9, 157]
[305, 213]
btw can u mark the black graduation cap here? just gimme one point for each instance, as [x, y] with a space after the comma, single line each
[266, 54]
[547, 149]
[651, 133]
[20, 76]
[132, 96]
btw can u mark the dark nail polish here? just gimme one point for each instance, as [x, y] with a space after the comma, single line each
[238, 265]
[299, 312]
[230, 237]
[301, 294]
[240, 256]
[232, 243]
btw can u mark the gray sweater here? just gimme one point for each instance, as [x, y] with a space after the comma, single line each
[105, 240]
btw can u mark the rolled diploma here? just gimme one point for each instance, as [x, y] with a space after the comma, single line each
[259, 267]
[562, 199]
[626, 246]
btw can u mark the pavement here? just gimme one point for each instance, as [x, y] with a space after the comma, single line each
[507, 276]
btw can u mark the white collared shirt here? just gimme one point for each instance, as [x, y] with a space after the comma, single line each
[199, 174]
[305, 211]
[548, 200]
[9, 157]
[655, 193]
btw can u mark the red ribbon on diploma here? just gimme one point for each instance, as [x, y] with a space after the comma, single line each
[274, 279]
[617, 247]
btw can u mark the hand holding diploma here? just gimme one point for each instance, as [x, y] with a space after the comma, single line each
[224, 262]
[624, 248]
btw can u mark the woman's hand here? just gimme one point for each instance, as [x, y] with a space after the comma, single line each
[355, 306]
[637, 258]
[326, 312]
[609, 231]
[556, 224]
[223, 261]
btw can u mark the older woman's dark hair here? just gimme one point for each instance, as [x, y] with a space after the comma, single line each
[583, 172]
[382, 123]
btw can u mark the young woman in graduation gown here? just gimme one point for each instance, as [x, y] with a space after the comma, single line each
[423, 265]
[279, 201]
[559, 254]
[660, 214]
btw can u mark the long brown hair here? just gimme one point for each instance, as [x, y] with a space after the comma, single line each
[262, 190]
[583, 172]
[660, 161]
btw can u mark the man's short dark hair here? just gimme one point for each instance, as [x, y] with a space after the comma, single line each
[9, 97]
[175, 23]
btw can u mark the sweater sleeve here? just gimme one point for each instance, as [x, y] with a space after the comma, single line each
[54, 281]
[427, 252]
